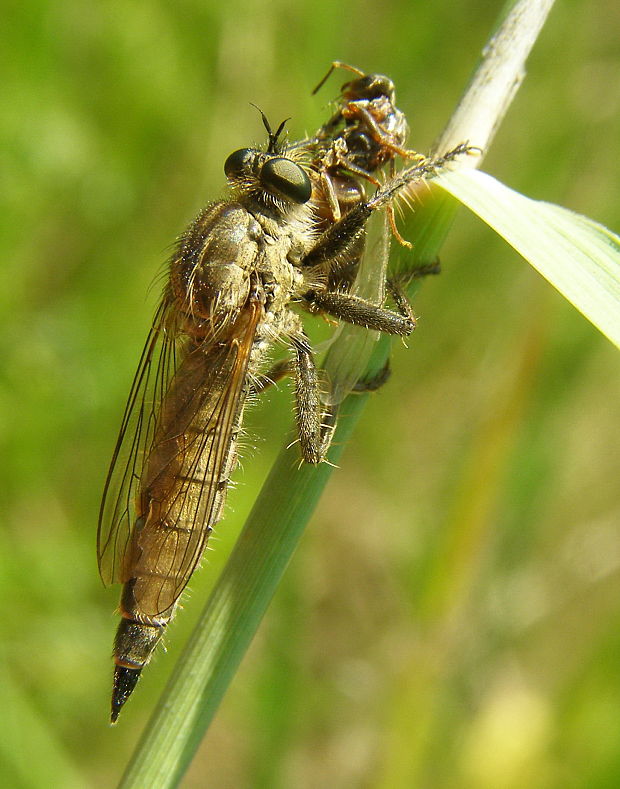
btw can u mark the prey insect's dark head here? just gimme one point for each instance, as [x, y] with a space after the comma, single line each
[366, 86]
[370, 86]
[269, 174]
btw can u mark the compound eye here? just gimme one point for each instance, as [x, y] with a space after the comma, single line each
[287, 179]
[239, 162]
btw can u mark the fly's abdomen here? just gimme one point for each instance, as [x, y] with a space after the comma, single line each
[182, 493]
[176, 526]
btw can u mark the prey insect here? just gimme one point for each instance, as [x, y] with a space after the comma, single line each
[236, 275]
[366, 134]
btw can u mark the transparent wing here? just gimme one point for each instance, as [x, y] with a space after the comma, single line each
[171, 455]
[347, 358]
[116, 514]
[189, 465]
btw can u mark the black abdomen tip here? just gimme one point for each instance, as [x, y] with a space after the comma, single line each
[125, 680]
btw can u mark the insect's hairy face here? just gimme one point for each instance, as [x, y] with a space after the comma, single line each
[269, 178]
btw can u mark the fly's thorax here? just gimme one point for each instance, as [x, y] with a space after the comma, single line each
[209, 276]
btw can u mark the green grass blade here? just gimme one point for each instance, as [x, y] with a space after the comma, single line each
[578, 256]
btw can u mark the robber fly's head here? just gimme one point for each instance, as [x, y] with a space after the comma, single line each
[269, 176]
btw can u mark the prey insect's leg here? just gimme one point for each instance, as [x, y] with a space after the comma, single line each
[315, 423]
[340, 238]
[344, 162]
[382, 136]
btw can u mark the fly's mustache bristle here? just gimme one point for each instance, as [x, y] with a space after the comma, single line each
[125, 680]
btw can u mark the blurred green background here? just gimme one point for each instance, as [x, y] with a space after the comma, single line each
[452, 616]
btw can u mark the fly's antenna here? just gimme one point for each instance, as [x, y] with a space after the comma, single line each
[274, 145]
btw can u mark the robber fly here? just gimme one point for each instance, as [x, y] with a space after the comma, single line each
[233, 279]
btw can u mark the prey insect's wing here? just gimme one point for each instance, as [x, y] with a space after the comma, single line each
[347, 359]
[172, 455]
